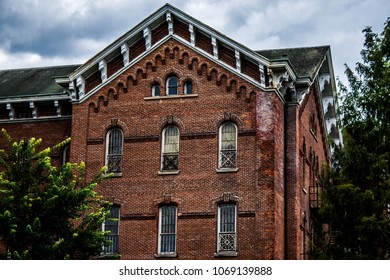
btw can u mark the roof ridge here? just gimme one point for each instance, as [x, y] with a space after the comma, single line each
[295, 48]
[41, 67]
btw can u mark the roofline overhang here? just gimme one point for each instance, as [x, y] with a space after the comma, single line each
[36, 98]
[147, 22]
[158, 44]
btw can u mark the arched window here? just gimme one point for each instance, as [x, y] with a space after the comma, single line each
[188, 87]
[172, 85]
[111, 224]
[65, 154]
[167, 229]
[227, 146]
[156, 89]
[227, 238]
[170, 149]
[114, 140]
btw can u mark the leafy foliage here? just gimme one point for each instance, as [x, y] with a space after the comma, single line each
[357, 190]
[48, 212]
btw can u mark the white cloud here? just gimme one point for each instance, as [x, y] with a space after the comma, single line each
[29, 60]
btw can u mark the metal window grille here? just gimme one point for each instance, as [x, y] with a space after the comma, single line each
[114, 151]
[168, 229]
[227, 228]
[111, 224]
[315, 196]
[228, 146]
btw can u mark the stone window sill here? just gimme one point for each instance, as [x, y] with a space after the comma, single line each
[173, 172]
[227, 170]
[226, 254]
[166, 255]
[170, 96]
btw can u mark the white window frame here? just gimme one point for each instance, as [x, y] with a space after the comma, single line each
[120, 155]
[65, 154]
[161, 234]
[233, 155]
[168, 87]
[167, 153]
[110, 249]
[224, 238]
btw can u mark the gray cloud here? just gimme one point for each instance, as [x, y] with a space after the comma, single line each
[44, 32]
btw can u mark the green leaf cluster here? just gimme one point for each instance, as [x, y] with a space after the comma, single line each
[48, 212]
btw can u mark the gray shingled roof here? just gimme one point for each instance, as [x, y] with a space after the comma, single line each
[305, 61]
[19, 83]
[29, 82]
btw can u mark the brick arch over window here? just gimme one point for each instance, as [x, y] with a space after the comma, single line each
[166, 199]
[228, 117]
[170, 120]
[226, 197]
[115, 122]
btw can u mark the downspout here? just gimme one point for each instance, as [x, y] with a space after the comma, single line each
[285, 182]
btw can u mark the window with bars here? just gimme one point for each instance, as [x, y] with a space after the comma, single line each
[111, 224]
[167, 229]
[228, 146]
[114, 150]
[170, 149]
[227, 239]
[172, 85]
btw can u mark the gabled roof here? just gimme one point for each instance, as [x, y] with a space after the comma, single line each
[306, 61]
[32, 82]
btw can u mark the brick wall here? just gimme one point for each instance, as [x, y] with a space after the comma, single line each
[51, 132]
[280, 147]
[218, 96]
[302, 170]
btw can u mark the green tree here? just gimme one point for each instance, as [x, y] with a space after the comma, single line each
[357, 190]
[48, 212]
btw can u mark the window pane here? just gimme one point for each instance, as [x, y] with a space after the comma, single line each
[114, 150]
[227, 217]
[228, 146]
[227, 227]
[168, 229]
[156, 90]
[188, 88]
[115, 142]
[171, 140]
[228, 137]
[112, 224]
[172, 85]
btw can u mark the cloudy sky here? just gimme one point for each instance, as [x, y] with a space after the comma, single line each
[59, 32]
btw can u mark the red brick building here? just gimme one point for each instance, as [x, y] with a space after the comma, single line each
[215, 148]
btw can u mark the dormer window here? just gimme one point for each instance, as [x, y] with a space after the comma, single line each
[172, 85]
